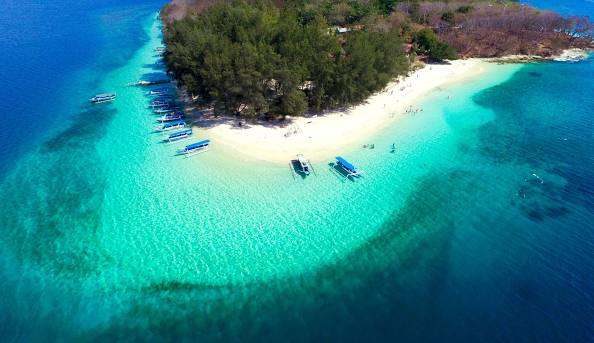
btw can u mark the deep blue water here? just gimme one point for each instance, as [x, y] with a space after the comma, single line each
[53, 55]
[484, 252]
[568, 7]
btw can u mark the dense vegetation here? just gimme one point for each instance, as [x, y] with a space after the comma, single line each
[255, 58]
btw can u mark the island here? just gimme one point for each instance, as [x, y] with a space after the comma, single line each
[311, 76]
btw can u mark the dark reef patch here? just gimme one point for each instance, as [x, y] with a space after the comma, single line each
[526, 135]
[404, 247]
[85, 129]
[53, 216]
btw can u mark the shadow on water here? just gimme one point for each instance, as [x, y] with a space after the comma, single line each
[156, 76]
[158, 66]
[296, 166]
[340, 172]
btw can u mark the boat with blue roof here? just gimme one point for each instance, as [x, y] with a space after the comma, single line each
[349, 168]
[195, 148]
[178, 124]
[179, 136]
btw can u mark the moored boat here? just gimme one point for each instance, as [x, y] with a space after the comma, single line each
[304, 164]
[171, 117]
[105, 97]
[163, 110]
[195, 148]
[179, 136]
[149, 82]
[161, 104]
[178, 124]
[350, 169]
[160, 92]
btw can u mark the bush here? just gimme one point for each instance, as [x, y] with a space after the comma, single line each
[426, 43]
[464, 9]
[448, 17]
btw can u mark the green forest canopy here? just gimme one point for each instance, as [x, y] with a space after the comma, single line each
[255, 59]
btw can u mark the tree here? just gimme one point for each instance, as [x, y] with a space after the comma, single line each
[293, 103]
[426, 43]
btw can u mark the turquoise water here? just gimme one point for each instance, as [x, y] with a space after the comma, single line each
[476, 228]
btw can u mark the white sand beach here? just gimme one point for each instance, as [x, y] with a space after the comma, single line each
[322, 137]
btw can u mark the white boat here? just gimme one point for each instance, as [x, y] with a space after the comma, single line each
[105, 97]
[170, 117]
[304, 164]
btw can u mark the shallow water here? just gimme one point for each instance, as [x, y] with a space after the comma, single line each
[475, 228]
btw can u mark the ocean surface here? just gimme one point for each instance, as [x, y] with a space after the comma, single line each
[478, 227]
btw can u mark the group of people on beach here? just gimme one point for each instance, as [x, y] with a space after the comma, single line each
[411, 110]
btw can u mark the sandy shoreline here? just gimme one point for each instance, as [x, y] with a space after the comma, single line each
[322, 137]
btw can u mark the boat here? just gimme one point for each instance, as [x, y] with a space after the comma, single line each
[195, 148]
[160, 92]
[178, 124]
[350, 169]
[161, 104]
[158, 101]
[179, 136]
[159, 89]
[162, 110]
[160, 49]
[304, 164]
[171, 117]
[149, 82]
[105, 97]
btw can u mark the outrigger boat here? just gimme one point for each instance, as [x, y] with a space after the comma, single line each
[161, 104]
[195, 148]
[171, 117]
[304, 163]
[158, 92]
[106, 97]
[178, 124]
[348, 167]
[160, 49]
[163, 110]
[149, 82]
[179, 136]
